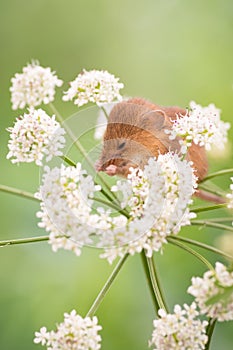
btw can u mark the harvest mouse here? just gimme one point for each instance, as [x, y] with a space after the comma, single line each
[136, 131]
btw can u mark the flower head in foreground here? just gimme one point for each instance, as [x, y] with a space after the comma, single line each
[66, 207]
[230, 196]
[157, 200]
[75, 333]
[94, 86]
[34, 136]
[201, 125]
[34, 86]
[214, 293]
[180, 330]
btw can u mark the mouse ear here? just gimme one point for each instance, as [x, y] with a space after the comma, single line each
[154, 120]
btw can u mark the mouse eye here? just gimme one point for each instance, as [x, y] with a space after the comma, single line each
[121, 145]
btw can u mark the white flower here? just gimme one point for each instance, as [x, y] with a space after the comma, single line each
[201, 125]
[42, 336]
[180, 330]
[230, 196]
[34, 86]
[94, 86]
[34, 136]
[158, 200]
[214, 284]
[75, 333]
[66, 207]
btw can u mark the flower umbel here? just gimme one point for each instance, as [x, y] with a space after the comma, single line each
[66, 207]
[34, 86]
[75, 333]
[94, 86]
[158, 200]
[34, 136]
[157, 208]
[180, 330]
[214, 284]
[201, 125]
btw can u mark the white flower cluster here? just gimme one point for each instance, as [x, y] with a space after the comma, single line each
[201, 125]
[181, 330]
[230, 196]
[214, 284]
[157, 208]
[75, 333]
[34, 86]
[65, 207]
[33, 136]
[94, 86]
[158, 202]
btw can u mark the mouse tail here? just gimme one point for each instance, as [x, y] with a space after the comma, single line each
[210, 197]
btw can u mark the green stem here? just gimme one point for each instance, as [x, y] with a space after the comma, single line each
[68, 161]
[202, 245]
[217, 173]
[81, 149]
[18, 192]
[222, 219]
[23, 241]
[71, 134]
[210, 331]
[105, 112]
[106, 287]
[210, 190]
[155, 283]
[109, 204]
[211, 207]
[113, 206]
[71, 163]
[191, 251]
[150, 284]
[212, 224]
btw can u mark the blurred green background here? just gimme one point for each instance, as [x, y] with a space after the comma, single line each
[170, 52]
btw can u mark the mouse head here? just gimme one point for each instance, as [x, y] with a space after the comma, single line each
[134, 134]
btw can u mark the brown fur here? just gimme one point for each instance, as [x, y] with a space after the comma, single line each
[136, 132]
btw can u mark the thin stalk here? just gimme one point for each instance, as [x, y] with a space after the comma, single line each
[221, 219]
[105, 112]
[210, 331]
[203, 245]
[109, 204]
[217, 173]
[210, 190]
[83, 152]
[191, 251]
[155, 283]
[106, 286]
[23, 241]
[212, 224]
[71, 134]
[18, 192]
[112, 205]
[150, 284]
[68, 161]
[211, 207]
